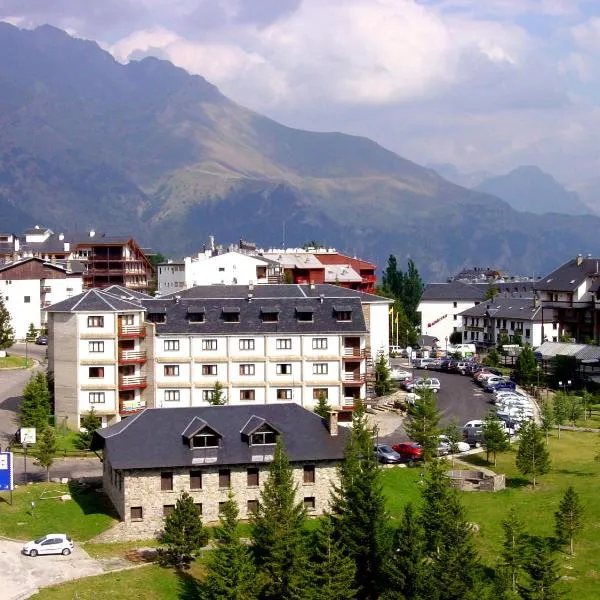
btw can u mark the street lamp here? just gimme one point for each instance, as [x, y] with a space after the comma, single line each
[537, 368]
[565, 385]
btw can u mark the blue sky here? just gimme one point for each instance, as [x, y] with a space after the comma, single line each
[486, 85]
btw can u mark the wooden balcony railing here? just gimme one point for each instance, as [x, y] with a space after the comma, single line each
[132, 381]
[132, 356]
[132, 331]
[352, 377]
[131, 406]
[350, 352]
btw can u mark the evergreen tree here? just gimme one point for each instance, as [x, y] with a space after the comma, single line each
[31, 333]
[383, 376]
[392, 278]
[407, 571]
[455, 338]
[412, 291]
[231, 571]
[494, 437]
[218, 397]
[513, 547]
[332, 573]
[501, 341]
[35, 406]
[543, 577]
[7, 333]
[183, 535]
[492, 359]
[559, 406]
[526, 365]
[423, 421]
[453, 568]
[533, 457]
[45, 449]
[360, 519]
[89, 423]
[517, 339]
[279, 547]
[547, 418]
[573, 409]
[453, 433]
[322, 407]
[569, 518]
[491, 292]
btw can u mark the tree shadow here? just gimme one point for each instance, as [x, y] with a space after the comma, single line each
[576, 473]
[189, 587]
[517, 482]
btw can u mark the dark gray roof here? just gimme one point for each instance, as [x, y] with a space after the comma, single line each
[459, 290]
[125, 293]
[94, 300]
[153, 438]
[324, 317]
[506, 308]
[569, 276]
[58, 267]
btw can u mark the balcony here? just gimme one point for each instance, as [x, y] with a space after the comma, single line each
[350, 352]
[352, 377]
[132, 382]
[348, 402]
[132, 356]
[132, 331]
[128, 407]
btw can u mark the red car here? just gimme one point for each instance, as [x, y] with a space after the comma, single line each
[410, 450]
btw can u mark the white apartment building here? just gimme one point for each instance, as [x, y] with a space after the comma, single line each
[30, 285]
[263, 344]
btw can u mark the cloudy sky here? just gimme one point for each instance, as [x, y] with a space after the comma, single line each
[486, 85]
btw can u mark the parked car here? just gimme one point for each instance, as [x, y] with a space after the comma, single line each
[488, 371]
[396, 350]
[398, 374]
[432, 384]
[41, 340]
[411, 397]
[386, 454]
[52, 543]
[505, 384]
[410, 450]
[472, 431]
[445, 447]
[423, 363]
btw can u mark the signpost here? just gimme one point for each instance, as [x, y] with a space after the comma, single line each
[6, 473]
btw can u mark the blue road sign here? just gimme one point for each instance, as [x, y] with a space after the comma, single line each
[6, 472]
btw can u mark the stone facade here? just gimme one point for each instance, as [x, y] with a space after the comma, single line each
[134, 489]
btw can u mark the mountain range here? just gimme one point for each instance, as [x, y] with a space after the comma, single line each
[152, 151]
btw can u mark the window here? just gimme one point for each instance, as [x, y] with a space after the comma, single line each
[283, 344]
[263, 438]
[166, 481]
[284, 394]
[319, 343]
[309, 503]
[247, 395]
[455, 304]
[209, 369]
[171, 345]
[527, 332]
[252, 477]
[247, 344]
[304, 316]
[196, 317]
[97, 398]
[172, 395]
[136, 513]
[27, 299]
[171, 370]
[207, 395]
[126, 319]
[455, 317]
[231, 317]
[96, 372]
[198, 506]
[309, 474]
[209, 344]
[343, 315]
[320, 368]
[168, 509]
[221, 269]
[224, 478]
[283, 369]
[251, 506]
[95, 321]
[96, 346]
[156, 317]
[205, 440]
[317, 392]
[195, 480]
[221, 507]
[246, 369]
[270, 317]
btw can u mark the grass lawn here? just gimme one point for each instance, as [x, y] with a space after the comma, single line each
[12, 361]
[83, 517]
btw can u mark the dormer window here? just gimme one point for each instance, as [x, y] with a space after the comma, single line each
[262, 438]
[198, 434]
[304, 314]
[231, 314]
[157, 315]
[257, 432]
[343, 313]
[196, 314]
[206, 439]
[269, 315]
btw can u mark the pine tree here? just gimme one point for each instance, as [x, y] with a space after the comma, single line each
[569, 518]
[542, 572]
[513, 547]
[573, 409]
[453, 434]
[89, 423]
[358, 510]
[231, 571]
[322, 407]
[183, 535]
[494, 437]
[383, 376]
[423, 421]
[526, 365]
[45, 449]
[559, 406]
[533, 457]
[279, 547]
[218, 397]
[492, 359]
[7, 333]
[547, 419]
[407, 571]
[31, 333]
[35, 406]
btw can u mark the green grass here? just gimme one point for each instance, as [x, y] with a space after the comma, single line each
[118, 549]
[85, 516]
[12, 361]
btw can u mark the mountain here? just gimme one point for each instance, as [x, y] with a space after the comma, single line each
[149, 150]
[529, 189]
[589, 192]
[452, 173]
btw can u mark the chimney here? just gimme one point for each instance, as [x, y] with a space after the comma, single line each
[67, 246]
[250, 286]
[333, 422]
[176, 299]
[579, 259]
[92, 233]
[312, 284]
[321, 298]
[61, 236]
[250, 296]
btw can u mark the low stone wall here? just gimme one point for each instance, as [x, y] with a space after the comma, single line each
[466, 480]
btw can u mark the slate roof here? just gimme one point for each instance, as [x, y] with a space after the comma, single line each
[506, 308]
[153, 438]
[569, 276]
[94, 300]
[120, 292]
[459, 290]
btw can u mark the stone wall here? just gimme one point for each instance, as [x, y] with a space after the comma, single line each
[467, 480]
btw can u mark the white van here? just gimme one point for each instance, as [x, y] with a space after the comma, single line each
[465, 349]
[472, 431]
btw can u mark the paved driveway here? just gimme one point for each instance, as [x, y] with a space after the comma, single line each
[23, 575]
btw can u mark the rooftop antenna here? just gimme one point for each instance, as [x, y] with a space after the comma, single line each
[283, 234]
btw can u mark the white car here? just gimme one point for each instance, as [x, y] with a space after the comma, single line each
[515, 414]
[432, 384]
[52, 543]
[411, 397]
[400, 374]
[444, 446]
